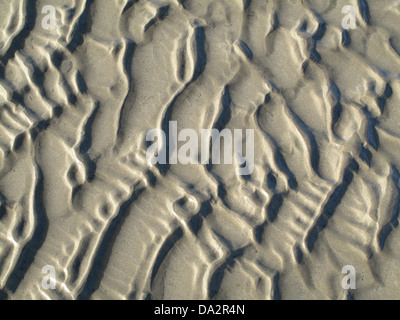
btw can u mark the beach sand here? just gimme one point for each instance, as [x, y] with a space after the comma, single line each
[83, 209]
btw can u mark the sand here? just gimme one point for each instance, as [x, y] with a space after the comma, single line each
[79, 197]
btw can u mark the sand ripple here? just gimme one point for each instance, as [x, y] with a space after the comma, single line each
[77, 193]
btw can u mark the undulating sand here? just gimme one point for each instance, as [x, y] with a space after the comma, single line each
[79, 196]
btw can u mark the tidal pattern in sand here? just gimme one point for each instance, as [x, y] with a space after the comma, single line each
[77, 192]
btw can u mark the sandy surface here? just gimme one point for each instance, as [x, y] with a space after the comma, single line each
[78, 194]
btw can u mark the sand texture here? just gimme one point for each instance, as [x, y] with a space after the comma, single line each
[77, 192]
